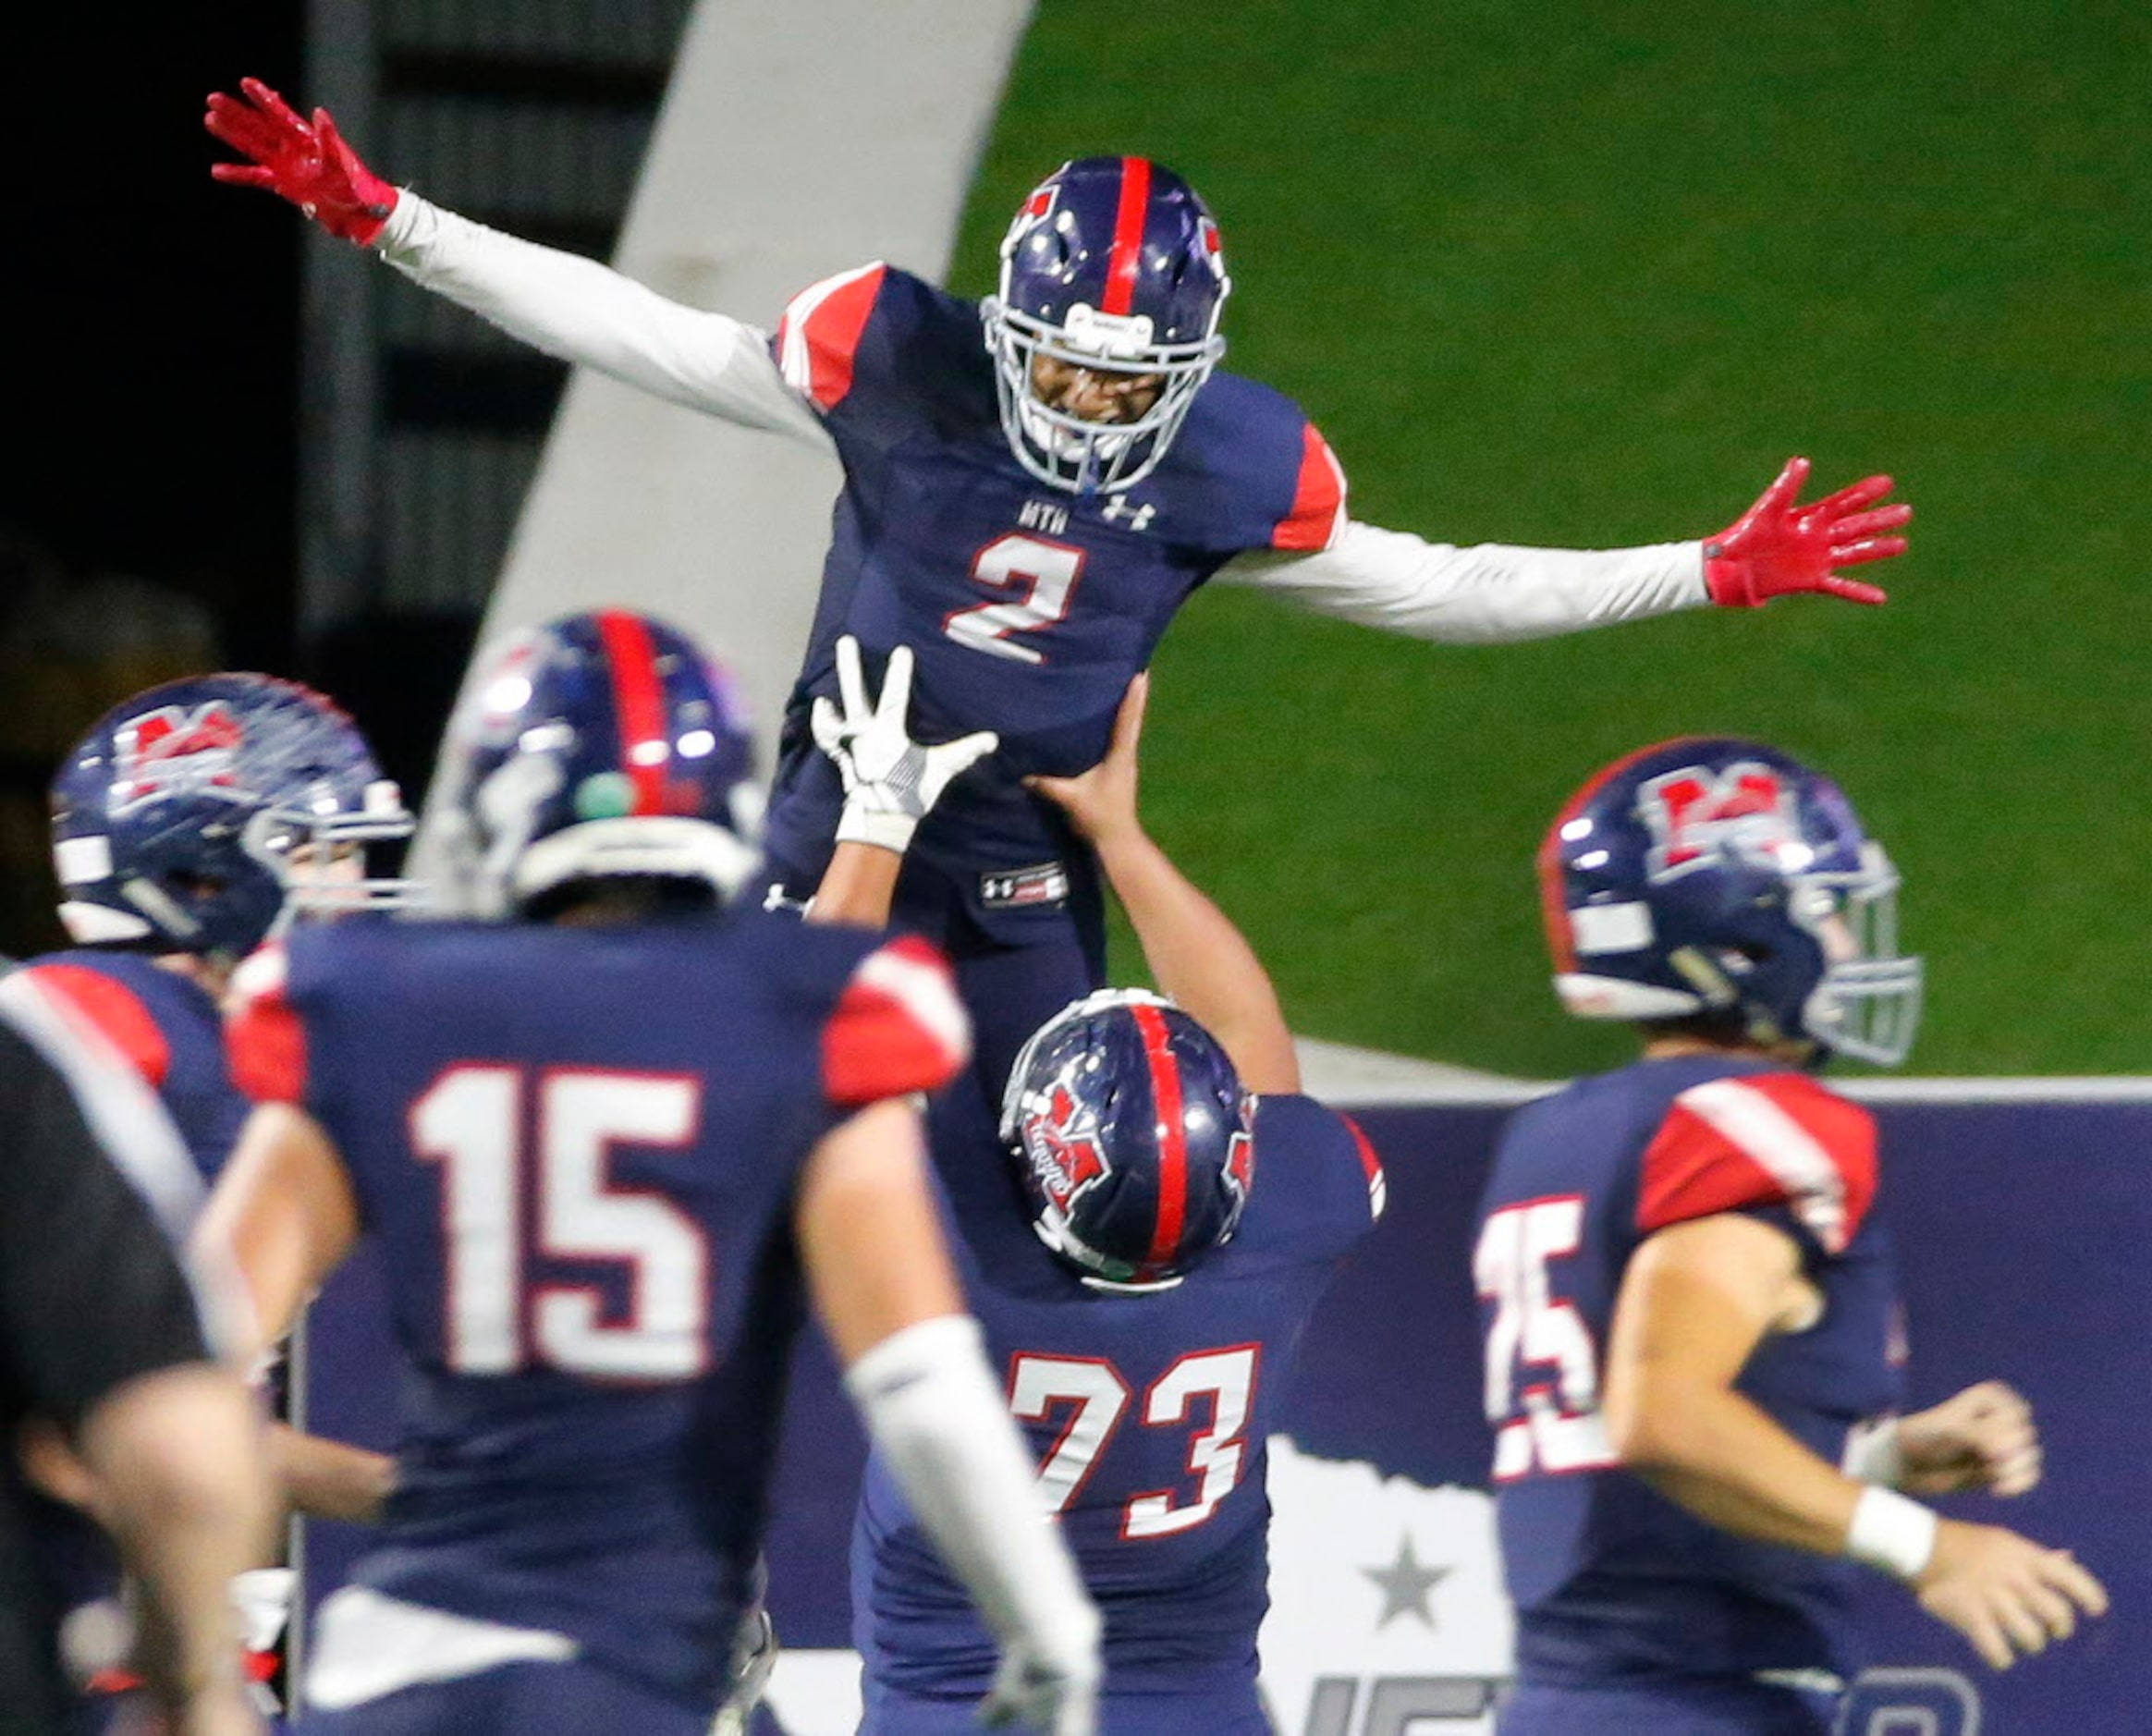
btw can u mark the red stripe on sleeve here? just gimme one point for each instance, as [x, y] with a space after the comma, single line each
[1762, 1140]
[820, 334]
[1370, 1167]
[638, 705]
[264, 1038]
[115, 1011]
[1318, 498]
[898, 1027]
[1127, 235]
[1172, 1136]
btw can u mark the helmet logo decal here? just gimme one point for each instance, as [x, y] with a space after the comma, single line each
[1066, 1159]
[177, 751]
[1034, 210]
[1699, 818]
[1241, 1165]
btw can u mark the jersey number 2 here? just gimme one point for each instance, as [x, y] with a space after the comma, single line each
[1561, 1429]
[1227, 1378]
[529, 1169]
[1047, 571]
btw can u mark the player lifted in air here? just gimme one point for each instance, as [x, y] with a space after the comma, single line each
[1146, 1235]
[610, 1145]
[1688, 1294]
[186, 823]
[1033, 484]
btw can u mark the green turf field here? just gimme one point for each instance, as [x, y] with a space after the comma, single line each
[1585, 276]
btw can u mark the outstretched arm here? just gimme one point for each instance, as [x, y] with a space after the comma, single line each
[1403, 584]
[1195, 953]
[566, 305]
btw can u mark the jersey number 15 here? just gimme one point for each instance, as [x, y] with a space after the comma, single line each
[527, 1168]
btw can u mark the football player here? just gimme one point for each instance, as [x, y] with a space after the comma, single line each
[1690, 1310]
[609, 1144]
[188, 822]
[1146, 1234]
[1033, 485]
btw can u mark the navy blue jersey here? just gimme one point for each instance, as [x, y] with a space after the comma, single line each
[169, 1027]
[1614, 1583]
[1029, 609]
[576, 1149]
[1149, 1415]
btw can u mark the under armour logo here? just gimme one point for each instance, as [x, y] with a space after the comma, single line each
[1138, 518]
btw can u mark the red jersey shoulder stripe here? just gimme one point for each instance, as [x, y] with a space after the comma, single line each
[1318, 498]
[264, 1038]
[1370, 1167]
[114, 1010]
[898, 1027]
[1770, 1140]
[821, 331]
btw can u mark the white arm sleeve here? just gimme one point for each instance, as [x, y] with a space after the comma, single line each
[940, 1422]
[1405, 584]
[587, 314]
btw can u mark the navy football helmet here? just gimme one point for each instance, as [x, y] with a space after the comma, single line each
[1133, 1135]
[1113, 263]
[193, 815]
[596, 746]
[1724, 881]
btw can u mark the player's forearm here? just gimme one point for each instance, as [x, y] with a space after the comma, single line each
[943, 1427]
[857, 888]
[1401, 583]
[585, 312]
[1198, 957]
[186, 1496]
[330, 1479]
[1720, 1456]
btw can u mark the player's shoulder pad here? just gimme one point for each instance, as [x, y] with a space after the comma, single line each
[1762, 1140]
[265, 1037]
[822, 338]
[1302, 1130]
[1240, 424]
[99, 999]
[897, 1026]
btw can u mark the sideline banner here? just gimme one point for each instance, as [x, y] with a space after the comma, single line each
[2022, 1227]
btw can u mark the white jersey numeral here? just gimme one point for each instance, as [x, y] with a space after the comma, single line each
[1551, 1425]
[1224, 1378]
[472, 1122]
[1046, 570]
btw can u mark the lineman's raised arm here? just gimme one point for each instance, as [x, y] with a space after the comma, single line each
[568, 306]
[1492, 591]
[1196, 954]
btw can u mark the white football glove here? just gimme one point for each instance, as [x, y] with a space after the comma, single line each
[1056, 1695]
[890, 780]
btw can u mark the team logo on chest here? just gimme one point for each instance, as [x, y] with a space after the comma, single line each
[1698, 818]
[177, 751]
[1062, 1148]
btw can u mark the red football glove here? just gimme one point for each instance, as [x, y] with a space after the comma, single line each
[1779, 545]
[311, 165]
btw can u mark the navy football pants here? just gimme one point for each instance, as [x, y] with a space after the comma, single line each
[1699, 1708]
[537, 1699]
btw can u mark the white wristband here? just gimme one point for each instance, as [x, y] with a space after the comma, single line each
[1890, 1532]
[859, 825]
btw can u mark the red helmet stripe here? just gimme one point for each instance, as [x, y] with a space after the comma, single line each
[638, 705]
[1172, 1137]
[1127, 235]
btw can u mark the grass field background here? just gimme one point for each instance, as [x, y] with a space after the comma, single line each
[1585, 276]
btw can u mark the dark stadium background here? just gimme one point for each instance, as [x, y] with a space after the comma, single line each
[1569, 275]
